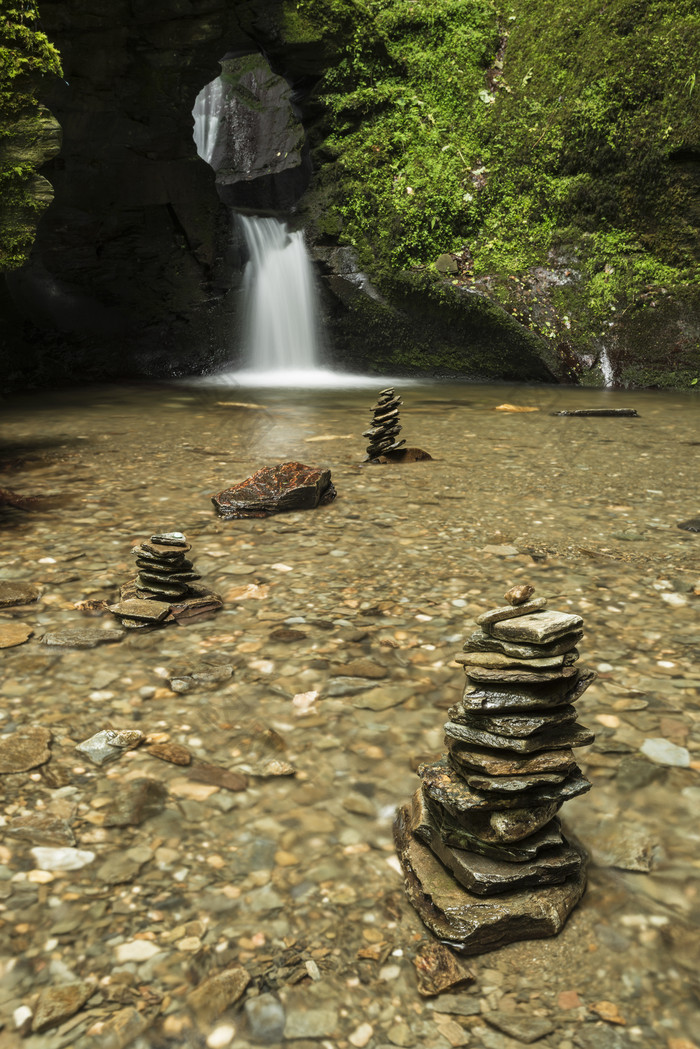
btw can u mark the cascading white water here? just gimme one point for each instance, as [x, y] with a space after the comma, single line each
[606, 368]
[207, 118]
[281, 338]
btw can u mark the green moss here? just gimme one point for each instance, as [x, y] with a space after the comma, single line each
[518, 135]
[25, 56]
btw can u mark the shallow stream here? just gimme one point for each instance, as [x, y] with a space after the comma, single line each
[340, 626]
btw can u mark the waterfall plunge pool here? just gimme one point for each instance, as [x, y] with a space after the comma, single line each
[384, 581]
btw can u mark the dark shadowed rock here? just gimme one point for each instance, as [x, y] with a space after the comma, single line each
[141, 799]
[475, 924]
[601, 412]
[17, 593]
[274, 489]
[692, 525]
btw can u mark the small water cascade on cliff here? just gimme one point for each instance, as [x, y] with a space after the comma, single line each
[207, 118]
[606, 368]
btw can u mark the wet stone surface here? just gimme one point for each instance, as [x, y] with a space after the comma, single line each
[294, 878]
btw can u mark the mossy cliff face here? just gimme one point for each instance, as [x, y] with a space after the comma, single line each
[546, 156]
[29, 136]
[549, 152]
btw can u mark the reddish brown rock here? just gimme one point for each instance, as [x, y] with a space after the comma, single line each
[439, 970]
[218, 776]
[175, 753]
[274, 489]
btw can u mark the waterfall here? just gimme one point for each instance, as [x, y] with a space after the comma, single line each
[207, 113]
[606, 368]
[281, 311]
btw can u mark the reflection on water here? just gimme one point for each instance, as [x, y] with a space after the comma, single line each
[371, 593]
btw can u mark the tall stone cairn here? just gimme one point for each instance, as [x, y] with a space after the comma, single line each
[482, 850]
[385, 426]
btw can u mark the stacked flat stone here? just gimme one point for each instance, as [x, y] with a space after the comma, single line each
[164, 589]
[165, 572]
[482, 849]
[385, 426]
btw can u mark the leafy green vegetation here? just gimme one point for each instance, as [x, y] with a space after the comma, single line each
[517, 136]
[25, 56]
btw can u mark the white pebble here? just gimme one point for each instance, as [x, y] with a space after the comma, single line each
[675, 600]
[221, 1036]
[361, 1035]
[61, 859]
[22, 1014]
[389, 972]
[136, 951]
[663, 752]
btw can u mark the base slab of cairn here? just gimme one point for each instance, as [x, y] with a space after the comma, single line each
[484, 858]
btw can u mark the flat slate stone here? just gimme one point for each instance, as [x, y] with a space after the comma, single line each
[472, 924]
[57, 1004]
[444, 785]
[495, 615]
[518, 726]
[162, 551]
[517, 677]
[485, 876]
[26, 748]
[145, 610]
[500, 661]
[470, 758]
[493, 826]
[480, 641]
[630, 413]
[512, 784]
[538, 629]
[81, 637]
[12, 633]
[546, 836]
[526, 1029]
[498, 696]
[556, 739]
[16, 593]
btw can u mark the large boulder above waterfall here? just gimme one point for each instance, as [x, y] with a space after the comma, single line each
[274, 489]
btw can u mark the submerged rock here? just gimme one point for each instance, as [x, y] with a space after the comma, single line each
[275, 489]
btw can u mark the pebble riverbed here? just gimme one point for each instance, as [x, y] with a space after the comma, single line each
[318, 688]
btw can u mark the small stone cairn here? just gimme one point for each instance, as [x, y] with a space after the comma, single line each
[164, 588]
[483, 854]
[385, 426]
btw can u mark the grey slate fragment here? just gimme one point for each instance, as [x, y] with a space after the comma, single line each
[526, 1029]
[538, 629]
